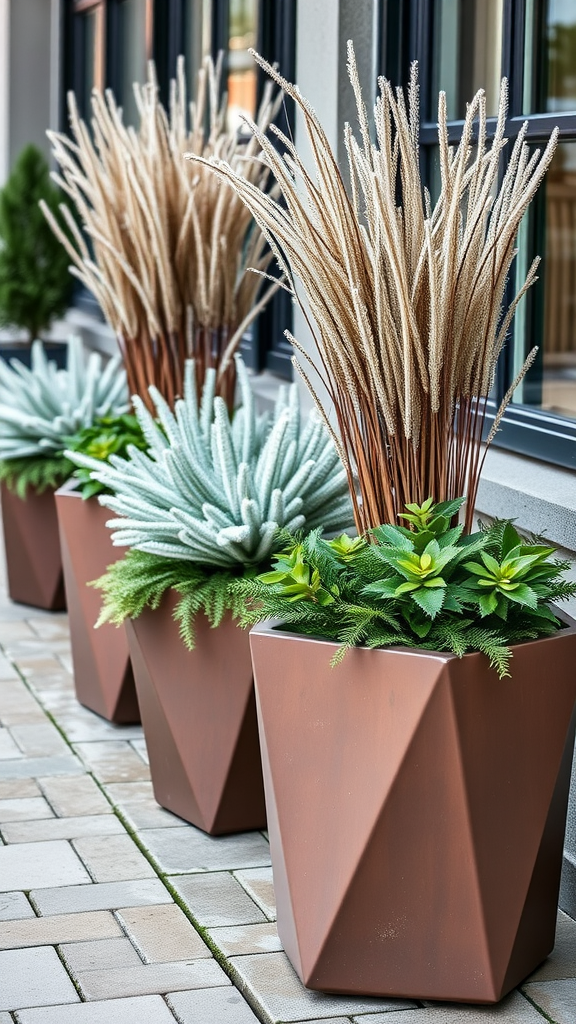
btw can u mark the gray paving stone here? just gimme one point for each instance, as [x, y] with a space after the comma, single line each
[512, 1010]
[5, 1018]
[54, 628]
[75, 796]
[99, 954]
[129, 792]
[8, 748]
[162, 934]
[18, 788]
[39, 740]
[7, 670]
[75, 899]
[40, 866]
[50, 931]
[272, 981]
[113, 858]
[144, 814]
[139, 745]
[217, 1005]
[188, 849]
[260, 886]
[557, 999]
[32, 662]
[562, 961]
[112, 761]
[11, 631]
[34, 767]
[81, 726]
[33, 977]
[217, 899]
[62, 828]
[13, 906]
[247, 938]
[24, 809]
[139, 1010]
[150, 978]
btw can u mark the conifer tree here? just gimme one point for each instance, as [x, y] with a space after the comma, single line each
[35, 284]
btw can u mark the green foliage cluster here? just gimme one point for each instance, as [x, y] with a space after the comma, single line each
[108, 435]
[36, 471]
[426, 585]
[35, 283]
[140, 580]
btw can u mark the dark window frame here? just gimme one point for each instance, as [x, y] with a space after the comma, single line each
[404, 35]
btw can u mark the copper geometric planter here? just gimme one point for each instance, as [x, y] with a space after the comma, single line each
[102, 671]
[33, 560]
[199, 717]
[416, 812]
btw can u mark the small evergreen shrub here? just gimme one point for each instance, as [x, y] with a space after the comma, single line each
[35, 283]
[425, 585]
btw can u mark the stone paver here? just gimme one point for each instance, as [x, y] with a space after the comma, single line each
[556, 998]
[11, 789]
[24, 809]
[162, 934]
[217, 1006]
[39, 740]
[513, 1010]
[189, 849]
[260, 886]
[139, 1010]
[33, 767]
[62, 828]
[72, 797]
[217, 899]
[75, 899]
[40, 865]
[146, 814]
[113, 858]
[99, 955]
[246, 938]
[49, 931]
[14, 905]
[284, 999]
[8, 748]
[113, 761]
[150, 978]
[33, 977]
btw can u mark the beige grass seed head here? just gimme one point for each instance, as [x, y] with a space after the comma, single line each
[408, 302]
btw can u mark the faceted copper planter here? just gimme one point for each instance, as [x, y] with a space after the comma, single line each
[33, 560]
[102, 671]
[199, 716]
[416, 812]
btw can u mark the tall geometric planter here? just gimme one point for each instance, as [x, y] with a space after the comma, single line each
[33, 559]
[199, 717]
[416, 811]
[102, 671]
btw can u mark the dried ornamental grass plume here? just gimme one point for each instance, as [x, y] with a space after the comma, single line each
[215, 491]
[169, 247]
[41, 407]
[408, 302]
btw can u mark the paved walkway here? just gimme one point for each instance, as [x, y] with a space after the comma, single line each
[113, 911]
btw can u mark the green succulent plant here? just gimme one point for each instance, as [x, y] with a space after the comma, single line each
[109, 435]
[428, 586]
[41, 407]
[214, 491]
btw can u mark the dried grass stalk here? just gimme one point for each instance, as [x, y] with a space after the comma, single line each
[408, 302]
[170, 246]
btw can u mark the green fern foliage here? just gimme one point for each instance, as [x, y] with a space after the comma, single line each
[425, 585]
[37, 473]
[139, 580]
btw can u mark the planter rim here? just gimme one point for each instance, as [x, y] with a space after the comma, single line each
[69, 489]
[273, 628]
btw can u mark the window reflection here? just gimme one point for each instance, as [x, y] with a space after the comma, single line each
[241, 67]
[134, 51]
[467, 53]
[550, 69]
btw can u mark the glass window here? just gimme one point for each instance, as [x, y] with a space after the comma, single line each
[242, 78]
[550, 57]
[134, 50]
[467, 54]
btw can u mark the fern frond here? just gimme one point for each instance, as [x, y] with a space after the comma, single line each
[37, 473]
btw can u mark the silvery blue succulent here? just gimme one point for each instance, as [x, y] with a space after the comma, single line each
[41, 406]
[214, 490]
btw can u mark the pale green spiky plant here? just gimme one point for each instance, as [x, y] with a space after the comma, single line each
[206, 502]
[408, 301]
[42, 406]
